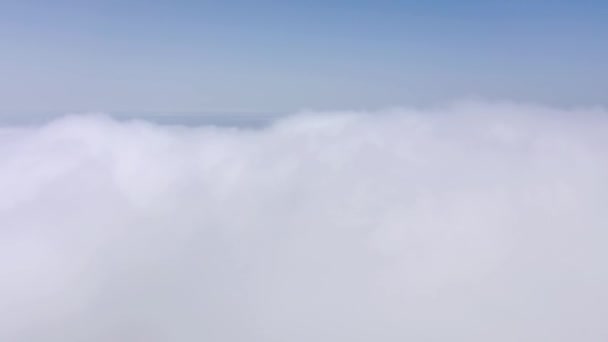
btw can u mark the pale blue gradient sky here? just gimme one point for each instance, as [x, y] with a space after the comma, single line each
[269, 56]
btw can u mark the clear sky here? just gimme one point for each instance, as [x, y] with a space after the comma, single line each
[283, 56]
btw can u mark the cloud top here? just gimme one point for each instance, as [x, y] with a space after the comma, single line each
[475, 222]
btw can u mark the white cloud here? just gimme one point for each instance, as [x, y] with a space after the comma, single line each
[477, 222]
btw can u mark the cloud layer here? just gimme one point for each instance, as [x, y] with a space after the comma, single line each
[475, 222]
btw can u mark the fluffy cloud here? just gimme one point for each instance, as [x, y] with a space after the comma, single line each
[474, 222]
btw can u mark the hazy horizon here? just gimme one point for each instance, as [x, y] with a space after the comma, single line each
[258, 56]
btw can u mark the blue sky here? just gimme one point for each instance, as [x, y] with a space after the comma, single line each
[285, 56]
